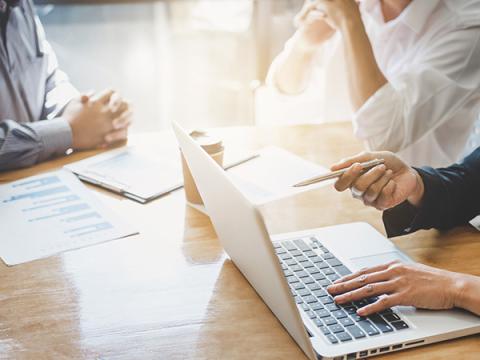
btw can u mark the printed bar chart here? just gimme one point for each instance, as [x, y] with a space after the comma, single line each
[52, 213]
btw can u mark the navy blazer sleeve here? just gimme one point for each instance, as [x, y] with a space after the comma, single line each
[452, 198]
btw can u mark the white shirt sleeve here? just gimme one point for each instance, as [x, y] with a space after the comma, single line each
[428, 94]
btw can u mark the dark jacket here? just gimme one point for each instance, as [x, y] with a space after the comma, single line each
[452, 198]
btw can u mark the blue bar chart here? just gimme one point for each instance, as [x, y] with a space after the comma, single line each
[52, 213]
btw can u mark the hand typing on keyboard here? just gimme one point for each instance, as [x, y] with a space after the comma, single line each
[399, 284]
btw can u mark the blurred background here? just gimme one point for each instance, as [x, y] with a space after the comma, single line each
[200, 62]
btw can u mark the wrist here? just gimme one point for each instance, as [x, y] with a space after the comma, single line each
[416, 197]
[351, 24]
[463, 287]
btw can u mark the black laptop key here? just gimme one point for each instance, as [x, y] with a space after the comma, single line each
[399, 325]
[332, 307]
[318, 275]
[302, 245]
[342, 270]
[324, 330]
[303, 292]
[296, 253]
[317, 306]
[313, 270]
[334, 262]
[332, 339]
[320, 293]
[314, 287]
[288, 272]
[346, 321]
[302, 274]
[339, 314]
[290, 262]
[292, 279]
[310, 299]
[361, 303]
[380, 323]
[306, 264]
[368, 327]
[308, 280]
[310, 253]
[333, 277]
[324, 282]
[296, 268]
[318, 322]
[336, 328]
[322, 265]
[323, 313]
[343, 337]
[326, 300]
[289, 245]
[298, 286]
[355, 331]
[311, 314]
[350, 309]
[386, 311]
[357, 317]
[328, 271]
[329, 321]
[391, 317]
[327, 256]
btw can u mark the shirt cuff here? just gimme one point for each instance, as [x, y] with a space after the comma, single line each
[55, 137]
[406, 218]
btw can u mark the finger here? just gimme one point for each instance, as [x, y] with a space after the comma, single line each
[302, 15]
[116, 136]
[374, 190]
[381, 304]
[386, 198]
[364, 271]
[347, 162]
[123, 120]
[363, 182]
[347, 179]
[359, 282]
[103, 97]
[119, 109]
[366, 291]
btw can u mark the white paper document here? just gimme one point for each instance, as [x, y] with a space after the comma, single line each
[272, 175]
[132, 174]
[51, 213]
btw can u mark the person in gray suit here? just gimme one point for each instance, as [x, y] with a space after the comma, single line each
[41, 114]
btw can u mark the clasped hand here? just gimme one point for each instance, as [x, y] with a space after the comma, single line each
[98, 120]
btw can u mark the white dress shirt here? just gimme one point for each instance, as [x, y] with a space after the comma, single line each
[430, 56]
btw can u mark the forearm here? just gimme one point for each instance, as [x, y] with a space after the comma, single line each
[293, 68]
[365, 77]
[23, 145]
[468, 293]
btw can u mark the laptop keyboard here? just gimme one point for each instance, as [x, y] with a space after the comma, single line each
[309, 270]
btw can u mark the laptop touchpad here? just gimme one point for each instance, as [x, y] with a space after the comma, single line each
[378, 259]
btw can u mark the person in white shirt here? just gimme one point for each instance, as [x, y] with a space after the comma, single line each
[413, 70]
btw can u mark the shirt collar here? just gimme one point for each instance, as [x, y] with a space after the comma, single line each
[415, 15]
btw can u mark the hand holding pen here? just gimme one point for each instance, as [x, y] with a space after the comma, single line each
[379, 179]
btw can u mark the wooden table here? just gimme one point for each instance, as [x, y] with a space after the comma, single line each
[171, 292]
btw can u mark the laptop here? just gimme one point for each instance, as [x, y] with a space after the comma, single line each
[291, 271]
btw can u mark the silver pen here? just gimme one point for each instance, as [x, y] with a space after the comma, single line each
[336, 174]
